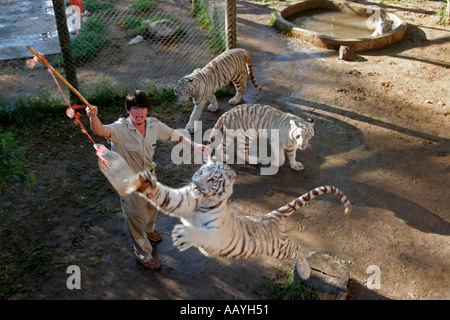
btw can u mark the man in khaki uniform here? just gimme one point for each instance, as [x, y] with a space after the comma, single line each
[134, 138]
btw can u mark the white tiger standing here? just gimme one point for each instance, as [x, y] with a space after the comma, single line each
[202, 84]
[207, 224]
[248, 122]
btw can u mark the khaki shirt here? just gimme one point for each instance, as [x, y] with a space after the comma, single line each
[137, 150]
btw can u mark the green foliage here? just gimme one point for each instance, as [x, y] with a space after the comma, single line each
[443, 14]
[216, 40]
[161, 96]
[136, 24]
[141, 6]
[162, 101]
[92, 39]
[131, 22]
[200, 10]
[12, 159]
[95, 24]
[94, 6]
[107, 95]
[28, 111]
[32, 110]
[226, 92]
[273, 19]
[282, 287]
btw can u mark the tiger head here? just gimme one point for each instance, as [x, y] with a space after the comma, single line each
[301, 133]
[213, 179]
[386, 25]
[185, 89]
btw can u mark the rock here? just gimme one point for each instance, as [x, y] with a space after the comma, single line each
[346, 53]
[136, 40]
[328, 276]
[163, 29]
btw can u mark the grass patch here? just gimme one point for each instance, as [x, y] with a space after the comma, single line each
[95, 6]
[163, 102]
[108, 95]
[279, 286]
[12, 163]
[274, 23]
[19, 264]
[30, 110]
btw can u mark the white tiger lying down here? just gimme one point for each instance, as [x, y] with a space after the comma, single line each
[207, 224]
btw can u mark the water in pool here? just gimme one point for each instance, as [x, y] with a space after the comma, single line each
[332, 23]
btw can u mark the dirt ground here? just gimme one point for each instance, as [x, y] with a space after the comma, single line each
[382, 130]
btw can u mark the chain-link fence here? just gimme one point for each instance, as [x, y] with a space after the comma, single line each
[129, 41]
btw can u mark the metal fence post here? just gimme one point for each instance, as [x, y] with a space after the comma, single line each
[230, 24]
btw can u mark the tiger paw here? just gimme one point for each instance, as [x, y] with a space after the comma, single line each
[147, 182]
[180, 235]
[213, 107]
[234, 101]
[190, 128]
[297, 166]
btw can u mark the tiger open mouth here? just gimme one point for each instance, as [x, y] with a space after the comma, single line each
[197, 191]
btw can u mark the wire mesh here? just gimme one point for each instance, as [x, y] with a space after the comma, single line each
[131, 41]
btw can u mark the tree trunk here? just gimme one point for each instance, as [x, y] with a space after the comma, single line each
[66, 48]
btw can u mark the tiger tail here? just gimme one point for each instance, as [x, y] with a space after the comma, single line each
[292, 206]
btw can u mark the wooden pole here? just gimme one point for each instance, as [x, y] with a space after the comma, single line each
[66, 46]
[56, 73]
[230, 24]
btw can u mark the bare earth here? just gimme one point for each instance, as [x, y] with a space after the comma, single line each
[382, 128]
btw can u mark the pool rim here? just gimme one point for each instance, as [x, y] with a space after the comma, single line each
[330, 42]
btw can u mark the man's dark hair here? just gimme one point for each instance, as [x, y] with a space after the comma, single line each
[137, 98]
